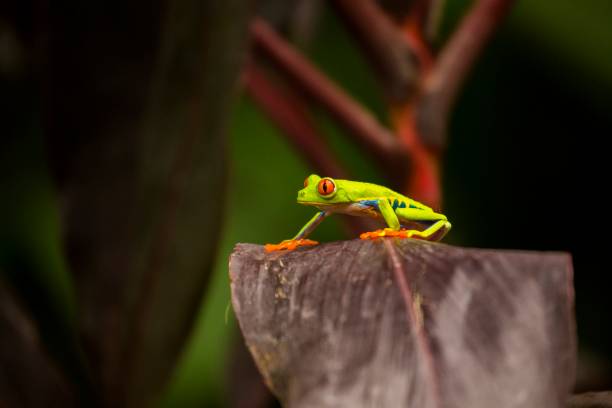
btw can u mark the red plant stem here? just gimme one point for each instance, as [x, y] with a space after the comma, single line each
[423, 183]
[422, 124]
[288, 114]
[413, 28]
[452, 66]
[375, 138]
[383, 42]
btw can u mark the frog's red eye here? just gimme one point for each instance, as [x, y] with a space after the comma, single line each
[306, 182]
[326, 187]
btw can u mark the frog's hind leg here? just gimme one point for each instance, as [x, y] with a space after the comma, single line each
[431, 226]
[435, 232]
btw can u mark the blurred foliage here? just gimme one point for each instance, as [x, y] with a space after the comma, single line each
[523, 170]
[31, 258]
[516, 175]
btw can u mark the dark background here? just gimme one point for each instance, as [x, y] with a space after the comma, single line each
[526, 168]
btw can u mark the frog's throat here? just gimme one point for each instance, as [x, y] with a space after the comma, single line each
[324, 206]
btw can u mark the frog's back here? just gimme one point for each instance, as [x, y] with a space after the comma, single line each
[369, 191]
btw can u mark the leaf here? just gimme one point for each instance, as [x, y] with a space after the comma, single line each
[28, 378]
[408, 323]
[31, 260]
[138, 96]
[602, 399]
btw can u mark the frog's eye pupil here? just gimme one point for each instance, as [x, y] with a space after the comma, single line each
[306, 182]
[326, 187]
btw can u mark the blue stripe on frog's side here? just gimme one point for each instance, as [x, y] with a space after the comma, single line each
[395, 204]
[369, 203]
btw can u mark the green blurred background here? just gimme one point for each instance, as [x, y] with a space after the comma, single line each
[526, 168]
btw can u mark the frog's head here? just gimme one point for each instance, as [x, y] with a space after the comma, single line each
[322, 192]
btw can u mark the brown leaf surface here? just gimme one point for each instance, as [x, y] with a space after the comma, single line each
[393, 323]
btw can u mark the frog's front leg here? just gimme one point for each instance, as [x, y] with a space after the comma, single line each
[300, 238]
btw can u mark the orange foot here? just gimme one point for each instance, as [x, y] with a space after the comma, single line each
[388, 232]
[289, 245]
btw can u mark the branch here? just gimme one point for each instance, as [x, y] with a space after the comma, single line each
[434, 17]
[375, 138]
[288, 114]
[384, 45]
[390, 47]
[453, 65]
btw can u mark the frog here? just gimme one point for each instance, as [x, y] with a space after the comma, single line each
[356, 198]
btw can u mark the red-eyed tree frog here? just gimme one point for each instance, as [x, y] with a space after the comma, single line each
[365, 200]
